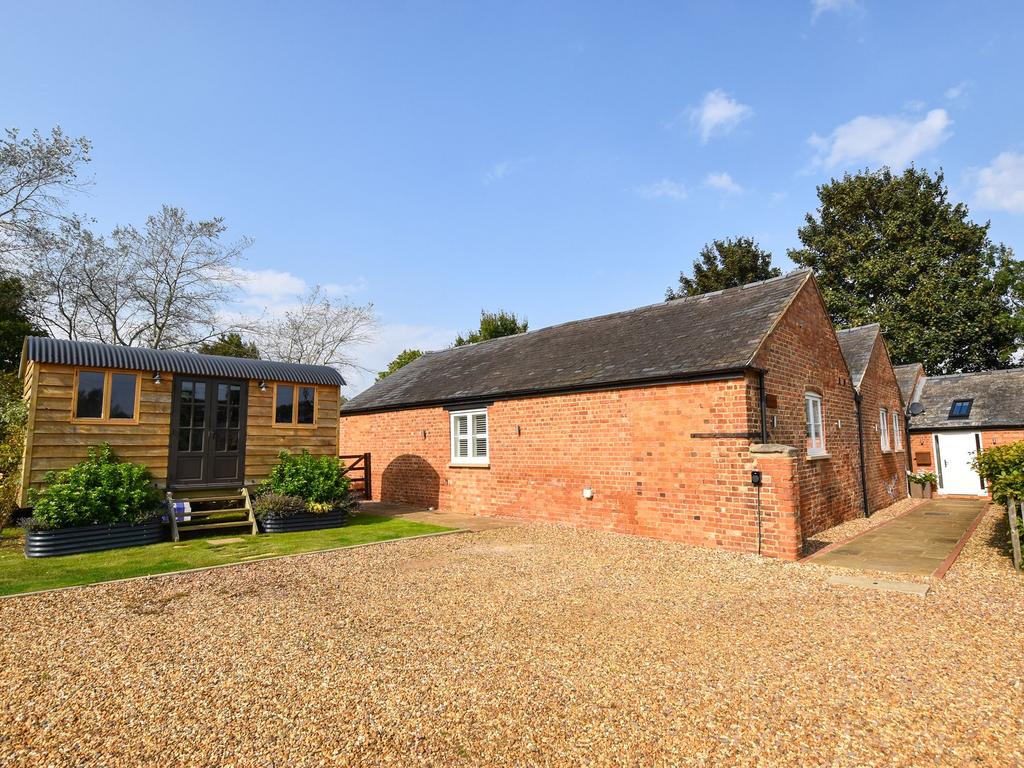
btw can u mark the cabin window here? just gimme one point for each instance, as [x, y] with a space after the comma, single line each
[294, 405]
[883, 428]
[470, 441]
[897, 431]
[106, 396]
[815, 425]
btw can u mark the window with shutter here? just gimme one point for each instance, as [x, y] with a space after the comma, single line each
[883, 428]
[815, 425]
[897, 430]
[469, 437]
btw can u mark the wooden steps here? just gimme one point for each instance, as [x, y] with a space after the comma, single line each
[213, 512]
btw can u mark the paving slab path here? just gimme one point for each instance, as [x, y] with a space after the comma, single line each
[922, 542]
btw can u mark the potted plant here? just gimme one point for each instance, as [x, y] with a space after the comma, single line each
[100, 503]
[303, 493]
[922, 484]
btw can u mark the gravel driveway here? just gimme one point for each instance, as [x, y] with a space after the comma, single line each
[529, 645]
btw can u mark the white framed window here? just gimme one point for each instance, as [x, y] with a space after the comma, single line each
[470, 444]
[815, 425]
[883, 428]
[897, 431]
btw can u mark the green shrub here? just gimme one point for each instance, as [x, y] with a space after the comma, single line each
[13, 415]
[922, 478]
[1002, 466]
[99, 490]
[317, 480]
[272, 506]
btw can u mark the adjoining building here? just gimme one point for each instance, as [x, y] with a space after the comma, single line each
[728, 419]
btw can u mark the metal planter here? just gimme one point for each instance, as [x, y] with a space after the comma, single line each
[304, 521]
[91, 538]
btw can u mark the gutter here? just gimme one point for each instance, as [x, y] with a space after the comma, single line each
[763, 397]
[857, 398]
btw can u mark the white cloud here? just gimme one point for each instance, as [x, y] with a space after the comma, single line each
[819, 7]
[504, 168]
[957, 91]
[264, 288]
[391, 339]
[664, 188]
[1000, 184]
[884, 140]
[718, 114]
[724, 182]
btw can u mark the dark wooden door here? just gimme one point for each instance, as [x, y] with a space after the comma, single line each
[207, 432]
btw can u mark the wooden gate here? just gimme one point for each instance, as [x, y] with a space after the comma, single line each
[358, 470]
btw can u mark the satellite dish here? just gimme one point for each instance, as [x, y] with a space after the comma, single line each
[916, 409]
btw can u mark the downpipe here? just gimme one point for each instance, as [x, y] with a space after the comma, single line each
[857, 398]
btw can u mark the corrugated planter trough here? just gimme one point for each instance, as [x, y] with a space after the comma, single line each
[91, 538]
[304, 521]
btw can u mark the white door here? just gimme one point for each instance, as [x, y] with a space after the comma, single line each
[954, 452]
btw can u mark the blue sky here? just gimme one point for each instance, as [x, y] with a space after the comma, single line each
[558, 160]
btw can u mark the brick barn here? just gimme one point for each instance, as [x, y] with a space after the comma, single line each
[882, 419]
[961, 414]
[653, 421]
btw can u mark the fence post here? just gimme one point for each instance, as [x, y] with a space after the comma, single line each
[1011, 513]
[367, 491]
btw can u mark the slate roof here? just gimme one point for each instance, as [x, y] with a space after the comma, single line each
[95, 355]
[907, 377]
[714, 332]
[998, 400]
[856, 344]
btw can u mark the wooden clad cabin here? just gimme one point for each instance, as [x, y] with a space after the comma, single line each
[197, 421]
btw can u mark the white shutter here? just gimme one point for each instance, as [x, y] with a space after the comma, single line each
[462, 437]
[480, 434]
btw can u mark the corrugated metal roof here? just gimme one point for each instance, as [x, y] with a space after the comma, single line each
[94, 355]
[714, 332]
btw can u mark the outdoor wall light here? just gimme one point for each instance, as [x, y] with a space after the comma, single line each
[156, 377]
[588, 493]
[519, 430]
[424, 434]
[263, 385]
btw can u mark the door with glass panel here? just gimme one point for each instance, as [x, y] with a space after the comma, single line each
[208, 432]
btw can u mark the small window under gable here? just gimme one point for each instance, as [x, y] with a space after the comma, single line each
[960, 409]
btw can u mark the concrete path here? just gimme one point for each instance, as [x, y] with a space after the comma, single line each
[919, 542]
[437, 517]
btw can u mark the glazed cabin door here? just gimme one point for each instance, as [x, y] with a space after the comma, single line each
[207, 433]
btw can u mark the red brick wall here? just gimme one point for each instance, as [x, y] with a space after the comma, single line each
[886, 470]
[802, 354]
[644, 452]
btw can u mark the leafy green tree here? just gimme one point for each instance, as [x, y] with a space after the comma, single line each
[893, 249]
[494, 325]
[403, 358]
[230, 345]
[725, 264]
[15, 324]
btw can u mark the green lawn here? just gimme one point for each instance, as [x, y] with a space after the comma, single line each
[22, 574]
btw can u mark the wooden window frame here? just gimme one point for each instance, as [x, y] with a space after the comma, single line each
[294, 423]
[471, 460]
[105, 407]
[822, 449]
[883, 430]
[897, 431]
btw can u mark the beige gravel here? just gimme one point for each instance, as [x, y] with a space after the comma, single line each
[535, 645]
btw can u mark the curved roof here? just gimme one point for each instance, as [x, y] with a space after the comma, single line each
[707, 334]
[94, 354]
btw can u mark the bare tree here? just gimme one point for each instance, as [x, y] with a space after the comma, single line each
[36, 175]
[318, 331]
[162, 287]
